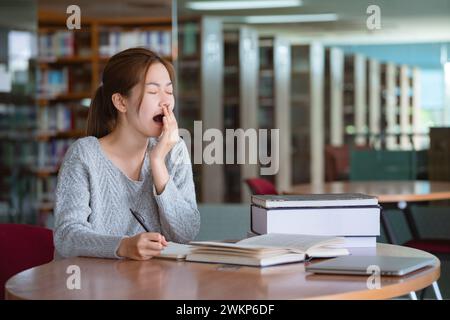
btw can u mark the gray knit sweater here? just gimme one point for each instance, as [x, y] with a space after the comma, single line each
[94, 198]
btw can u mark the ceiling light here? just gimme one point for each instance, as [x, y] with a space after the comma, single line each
[292, 18]
[237, 5]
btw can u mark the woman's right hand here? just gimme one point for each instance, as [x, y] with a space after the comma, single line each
[142, 246]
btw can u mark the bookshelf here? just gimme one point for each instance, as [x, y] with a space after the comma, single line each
[374, 89]
[308, 109]
[360, 100]
[300, 100]
[240, 106]
[64, 83]
[188, 103]
[355, 100]
[334, 82]
[17, 123]
[349, 99]
[266, 91]
[275, 105]
[380, 102]
[200, 97]
[231, 112]
[365, 102]
[391, 106]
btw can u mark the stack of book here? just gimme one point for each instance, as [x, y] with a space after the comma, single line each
[356, 217]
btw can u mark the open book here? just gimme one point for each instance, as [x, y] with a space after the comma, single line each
[264, 250]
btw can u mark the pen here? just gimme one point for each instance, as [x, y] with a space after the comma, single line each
[139, 219]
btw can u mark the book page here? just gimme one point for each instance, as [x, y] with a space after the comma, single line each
[292, 241]
[175, 251]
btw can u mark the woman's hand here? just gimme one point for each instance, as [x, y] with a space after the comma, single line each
[142, 246]
[168, 138]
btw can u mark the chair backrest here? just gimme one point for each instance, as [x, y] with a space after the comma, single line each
[261, 186]
[23, 247]
[367, 165]
[337, 162]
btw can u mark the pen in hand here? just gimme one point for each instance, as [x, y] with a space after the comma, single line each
[139, 219]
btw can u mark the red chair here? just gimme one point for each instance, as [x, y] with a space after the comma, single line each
[23, 247]
[337, 162]
[439, 247]
[261, 186]
[435, 246]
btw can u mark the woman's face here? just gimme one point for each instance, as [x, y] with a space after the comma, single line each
[158, 92]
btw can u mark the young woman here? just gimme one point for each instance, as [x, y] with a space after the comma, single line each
[131, 163]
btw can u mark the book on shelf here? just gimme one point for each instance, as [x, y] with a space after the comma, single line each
[314, 200]
[52, 82]
[51, 153]
[56, 44]
[112, 42]
[55, 118]
[63, 81]
[189, 32]
[45, 189]
[260, 251]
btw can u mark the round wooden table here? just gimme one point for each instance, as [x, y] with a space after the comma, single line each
[171, 279]
[385, 191]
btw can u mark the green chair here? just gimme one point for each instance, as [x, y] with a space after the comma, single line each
[370, 165]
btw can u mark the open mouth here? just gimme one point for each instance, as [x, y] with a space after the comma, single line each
[158, 118]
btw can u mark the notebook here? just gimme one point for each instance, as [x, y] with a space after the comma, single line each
[261, 251]
[314, 200]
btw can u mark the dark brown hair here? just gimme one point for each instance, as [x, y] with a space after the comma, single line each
[123, 71]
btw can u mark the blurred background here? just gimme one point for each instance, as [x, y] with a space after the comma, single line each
[360, 91]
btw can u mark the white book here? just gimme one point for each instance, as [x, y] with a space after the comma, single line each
[357, 221]
[349, 242]
[314, 200]
[360, 242]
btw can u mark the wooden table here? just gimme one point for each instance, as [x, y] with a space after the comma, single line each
[390, 194]
[170, 279]
[386, 191]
